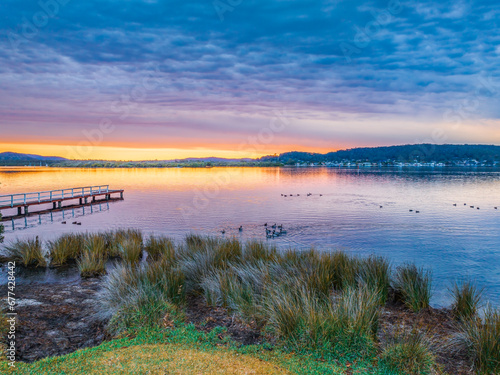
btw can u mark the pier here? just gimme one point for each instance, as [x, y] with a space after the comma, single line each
[56, 197]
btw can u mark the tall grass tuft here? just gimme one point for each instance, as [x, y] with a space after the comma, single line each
[66, 248]
[409, 353]
[159, 247]
[413, 286]
[466, 299]
[91, 264]
[375, 273]
[27, 252]
[118, 238]
[480, 338]
[92, 261]
[128, 288]
[130, 250]
[255, 251]
[204, 255]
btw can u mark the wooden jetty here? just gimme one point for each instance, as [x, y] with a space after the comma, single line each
[56, 198]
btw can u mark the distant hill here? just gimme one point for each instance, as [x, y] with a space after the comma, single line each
[14, 156]
[404, 153]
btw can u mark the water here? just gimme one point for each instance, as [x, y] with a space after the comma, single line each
[454, 241]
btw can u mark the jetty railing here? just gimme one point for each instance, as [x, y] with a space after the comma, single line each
[14, 200]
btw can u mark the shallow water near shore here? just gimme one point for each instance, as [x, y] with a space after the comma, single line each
[362, 212]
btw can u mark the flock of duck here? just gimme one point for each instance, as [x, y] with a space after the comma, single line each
[74, 223]
[272, 231]
[275, 230]
[298, 195]
[478, 208]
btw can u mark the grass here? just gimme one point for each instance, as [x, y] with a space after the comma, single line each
[413, 286]
[185, 350]
[480, 338]
[410, 354]
[134, 297]
[466, 299]
[159, 247]
[92, 261]
[66, 248]
[27, 252]
[130, 250]
[318, 312]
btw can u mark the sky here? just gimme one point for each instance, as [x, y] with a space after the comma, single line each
[151, 79]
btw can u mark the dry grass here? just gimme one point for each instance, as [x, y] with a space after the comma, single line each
[66, 248]
[27, 252]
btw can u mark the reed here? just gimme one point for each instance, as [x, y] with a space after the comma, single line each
[130, 250]
[27, 252]
[480, 338]
[91, 264]
[467, 298]
[413, 286]
[409, 353]
[116, 240]
[159, 247]
[375, 273]
[66, 248]
[128, 288]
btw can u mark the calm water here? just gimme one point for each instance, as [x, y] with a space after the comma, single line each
[453, 241]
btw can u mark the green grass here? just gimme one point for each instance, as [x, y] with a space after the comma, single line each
[409, 354]
[466, 299]
[413, 286]
[480, 338]
[27, 252]
[184, 350]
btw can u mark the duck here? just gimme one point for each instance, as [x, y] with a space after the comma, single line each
[240, 228]
[74, 223]
[381, 206]
[78, 223]
[496, 208]
[465, 204]
[63, 222]
[321, 195]
[411, 210]
[265, 224]
[454, 204]
[471, 206]
[478, 208]
[417, 212]
[223, 231]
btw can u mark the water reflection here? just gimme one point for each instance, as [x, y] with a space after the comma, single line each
[343, 211]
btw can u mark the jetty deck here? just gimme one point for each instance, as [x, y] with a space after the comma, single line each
[57, 197]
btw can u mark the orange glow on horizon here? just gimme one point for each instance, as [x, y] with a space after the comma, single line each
[125, 153]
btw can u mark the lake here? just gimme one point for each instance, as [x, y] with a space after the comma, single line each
[362, 212]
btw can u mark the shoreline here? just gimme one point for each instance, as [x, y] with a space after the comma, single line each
[204, 288]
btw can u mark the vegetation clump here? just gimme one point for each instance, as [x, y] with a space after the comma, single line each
[409, 353]
[466, 299]
[413, 286]
[480, 338]
[28, 252]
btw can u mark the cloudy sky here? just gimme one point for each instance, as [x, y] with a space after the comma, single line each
[164, 79]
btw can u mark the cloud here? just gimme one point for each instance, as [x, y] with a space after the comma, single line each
[211, 79]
